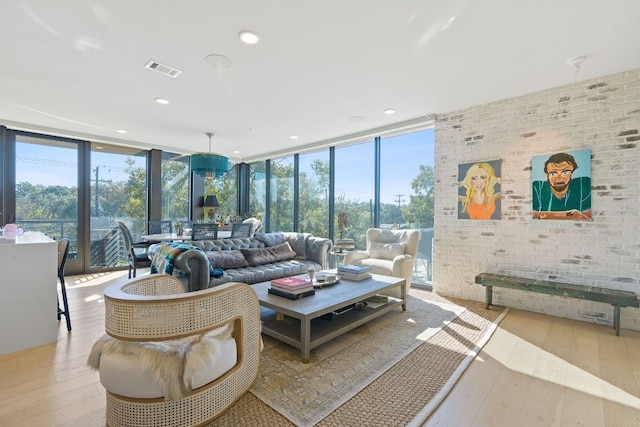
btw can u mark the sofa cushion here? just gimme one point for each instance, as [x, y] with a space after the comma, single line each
[259, 256]
[226, 259]
[385, 250]
[270, 239]
[298, 242]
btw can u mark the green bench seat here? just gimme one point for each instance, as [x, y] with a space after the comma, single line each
[615, 297]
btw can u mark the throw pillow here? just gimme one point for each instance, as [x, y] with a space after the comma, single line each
[226, 259]
[385, 250]
[260, 256]
[298, 242]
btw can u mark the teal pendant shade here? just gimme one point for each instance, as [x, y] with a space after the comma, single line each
[209, 165]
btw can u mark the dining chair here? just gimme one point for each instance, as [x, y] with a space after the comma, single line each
[241, 229]
[135, 257]
[204, 231]
[160, 227]
[63, 253]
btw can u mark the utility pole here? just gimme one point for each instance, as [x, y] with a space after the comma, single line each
[97, 180]
[399, 198]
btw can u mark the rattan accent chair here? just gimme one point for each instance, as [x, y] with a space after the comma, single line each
[156, 307]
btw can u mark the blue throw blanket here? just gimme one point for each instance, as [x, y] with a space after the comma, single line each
[165, 255]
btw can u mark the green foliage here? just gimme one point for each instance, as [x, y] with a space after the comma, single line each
[46, 202]
[135, 189]
[175, 189]
[419, 212]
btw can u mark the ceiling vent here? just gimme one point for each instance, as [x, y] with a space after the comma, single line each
[164, 69]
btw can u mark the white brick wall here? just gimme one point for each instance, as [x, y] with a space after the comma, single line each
[602, 115]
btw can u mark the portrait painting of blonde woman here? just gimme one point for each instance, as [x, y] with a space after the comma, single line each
[479, 190]
[561, 186]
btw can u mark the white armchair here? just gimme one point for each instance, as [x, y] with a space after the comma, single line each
[153, 327]
[389, 252]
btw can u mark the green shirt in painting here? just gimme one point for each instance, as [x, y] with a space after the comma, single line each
[578, 196]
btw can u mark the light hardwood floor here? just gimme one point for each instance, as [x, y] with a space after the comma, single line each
[540, 370]
[536, 370]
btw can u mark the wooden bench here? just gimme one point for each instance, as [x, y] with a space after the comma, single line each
[615, 297]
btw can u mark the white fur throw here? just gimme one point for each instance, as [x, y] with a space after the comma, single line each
[171, 363]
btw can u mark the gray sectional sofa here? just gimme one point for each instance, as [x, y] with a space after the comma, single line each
[252, 260]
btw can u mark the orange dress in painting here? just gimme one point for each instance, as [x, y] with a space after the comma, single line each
[480, 211]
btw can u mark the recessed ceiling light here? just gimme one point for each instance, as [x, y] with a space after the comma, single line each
[390, 111]
[249, 37]
[121, 131]
[293, 137]
[162, 101]
[356, 119]
[236, 151]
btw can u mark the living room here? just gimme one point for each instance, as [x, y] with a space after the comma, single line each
[599, 113]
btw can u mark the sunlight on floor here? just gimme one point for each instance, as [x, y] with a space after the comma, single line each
[553, 369]
[95, 279]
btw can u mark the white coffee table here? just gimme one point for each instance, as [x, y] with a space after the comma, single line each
[302, 326]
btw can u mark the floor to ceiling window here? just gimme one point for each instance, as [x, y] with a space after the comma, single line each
[47, 189]
[354, 190]
[313, 184]
[118, 194]
[406, 191]
[225, 189]
[175, 187]
[281, 202]
[258, 190]
[405, 197]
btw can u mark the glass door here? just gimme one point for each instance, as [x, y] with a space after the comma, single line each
[46, 190]
[118, 182]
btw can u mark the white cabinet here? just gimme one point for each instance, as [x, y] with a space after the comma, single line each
[29, 274]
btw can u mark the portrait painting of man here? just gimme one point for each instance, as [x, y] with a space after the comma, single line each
[561, 186]
[479, 190]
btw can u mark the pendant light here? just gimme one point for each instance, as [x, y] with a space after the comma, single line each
[209, 165]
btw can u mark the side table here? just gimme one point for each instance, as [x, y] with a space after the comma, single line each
[338, 257]
[340, 253]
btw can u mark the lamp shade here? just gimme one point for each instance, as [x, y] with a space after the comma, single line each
[208, 165]
[210, 202]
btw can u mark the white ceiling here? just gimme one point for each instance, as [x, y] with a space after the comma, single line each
[77, 67]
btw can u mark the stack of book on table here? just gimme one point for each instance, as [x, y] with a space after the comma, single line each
[292, 287]
[354, 272]
[345, 244]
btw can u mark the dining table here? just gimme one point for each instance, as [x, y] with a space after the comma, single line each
[173, 237]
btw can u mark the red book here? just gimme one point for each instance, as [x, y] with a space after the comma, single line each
[301, 290]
